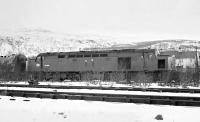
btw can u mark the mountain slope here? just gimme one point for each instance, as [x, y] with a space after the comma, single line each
[163, 45]
[33, 42]
[180, 44]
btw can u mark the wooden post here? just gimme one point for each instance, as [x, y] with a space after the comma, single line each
[197, 67]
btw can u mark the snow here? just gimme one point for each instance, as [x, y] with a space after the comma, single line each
[97, 83]
[49, 110]
[32, 42]
[121, 92]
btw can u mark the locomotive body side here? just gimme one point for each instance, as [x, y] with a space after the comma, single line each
[117, 65]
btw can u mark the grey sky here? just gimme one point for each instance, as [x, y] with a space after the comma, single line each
[129, 19]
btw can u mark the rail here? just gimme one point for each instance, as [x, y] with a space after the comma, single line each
[127, 98]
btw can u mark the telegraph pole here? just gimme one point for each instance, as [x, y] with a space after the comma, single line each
[197, 66]
[41, 68]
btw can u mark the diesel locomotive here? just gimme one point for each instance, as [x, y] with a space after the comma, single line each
[109, 65]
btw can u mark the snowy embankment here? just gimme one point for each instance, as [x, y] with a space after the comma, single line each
[20, 109]
[91, 91]
[99, 84]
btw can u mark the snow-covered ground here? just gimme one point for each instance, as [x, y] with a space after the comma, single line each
[49, 110]
[121, 92]
[98, 84]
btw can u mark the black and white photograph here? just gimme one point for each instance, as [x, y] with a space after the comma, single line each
[99, 60]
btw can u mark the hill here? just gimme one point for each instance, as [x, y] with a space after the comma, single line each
[33, 42]
[165, 45]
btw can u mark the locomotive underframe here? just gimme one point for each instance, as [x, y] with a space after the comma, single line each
[116, 76]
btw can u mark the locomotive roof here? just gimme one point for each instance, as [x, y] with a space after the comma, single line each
[100, 51]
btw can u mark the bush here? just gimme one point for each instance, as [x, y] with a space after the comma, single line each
[159, 117]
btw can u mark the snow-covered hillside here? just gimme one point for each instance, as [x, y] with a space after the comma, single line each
[163, 45]
[180, 44]
[33, 42]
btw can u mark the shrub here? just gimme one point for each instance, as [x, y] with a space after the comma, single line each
[159, 117]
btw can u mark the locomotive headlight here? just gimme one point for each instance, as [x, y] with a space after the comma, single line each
[92, 59]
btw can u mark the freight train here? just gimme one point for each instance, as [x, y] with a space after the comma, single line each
[108, 65]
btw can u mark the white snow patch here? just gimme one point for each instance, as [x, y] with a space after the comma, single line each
[49, 110]
[103, 91]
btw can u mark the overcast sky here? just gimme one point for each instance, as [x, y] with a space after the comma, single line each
[128, 19]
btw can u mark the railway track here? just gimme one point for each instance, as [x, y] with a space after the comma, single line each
[109, 97]
[173, 90]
